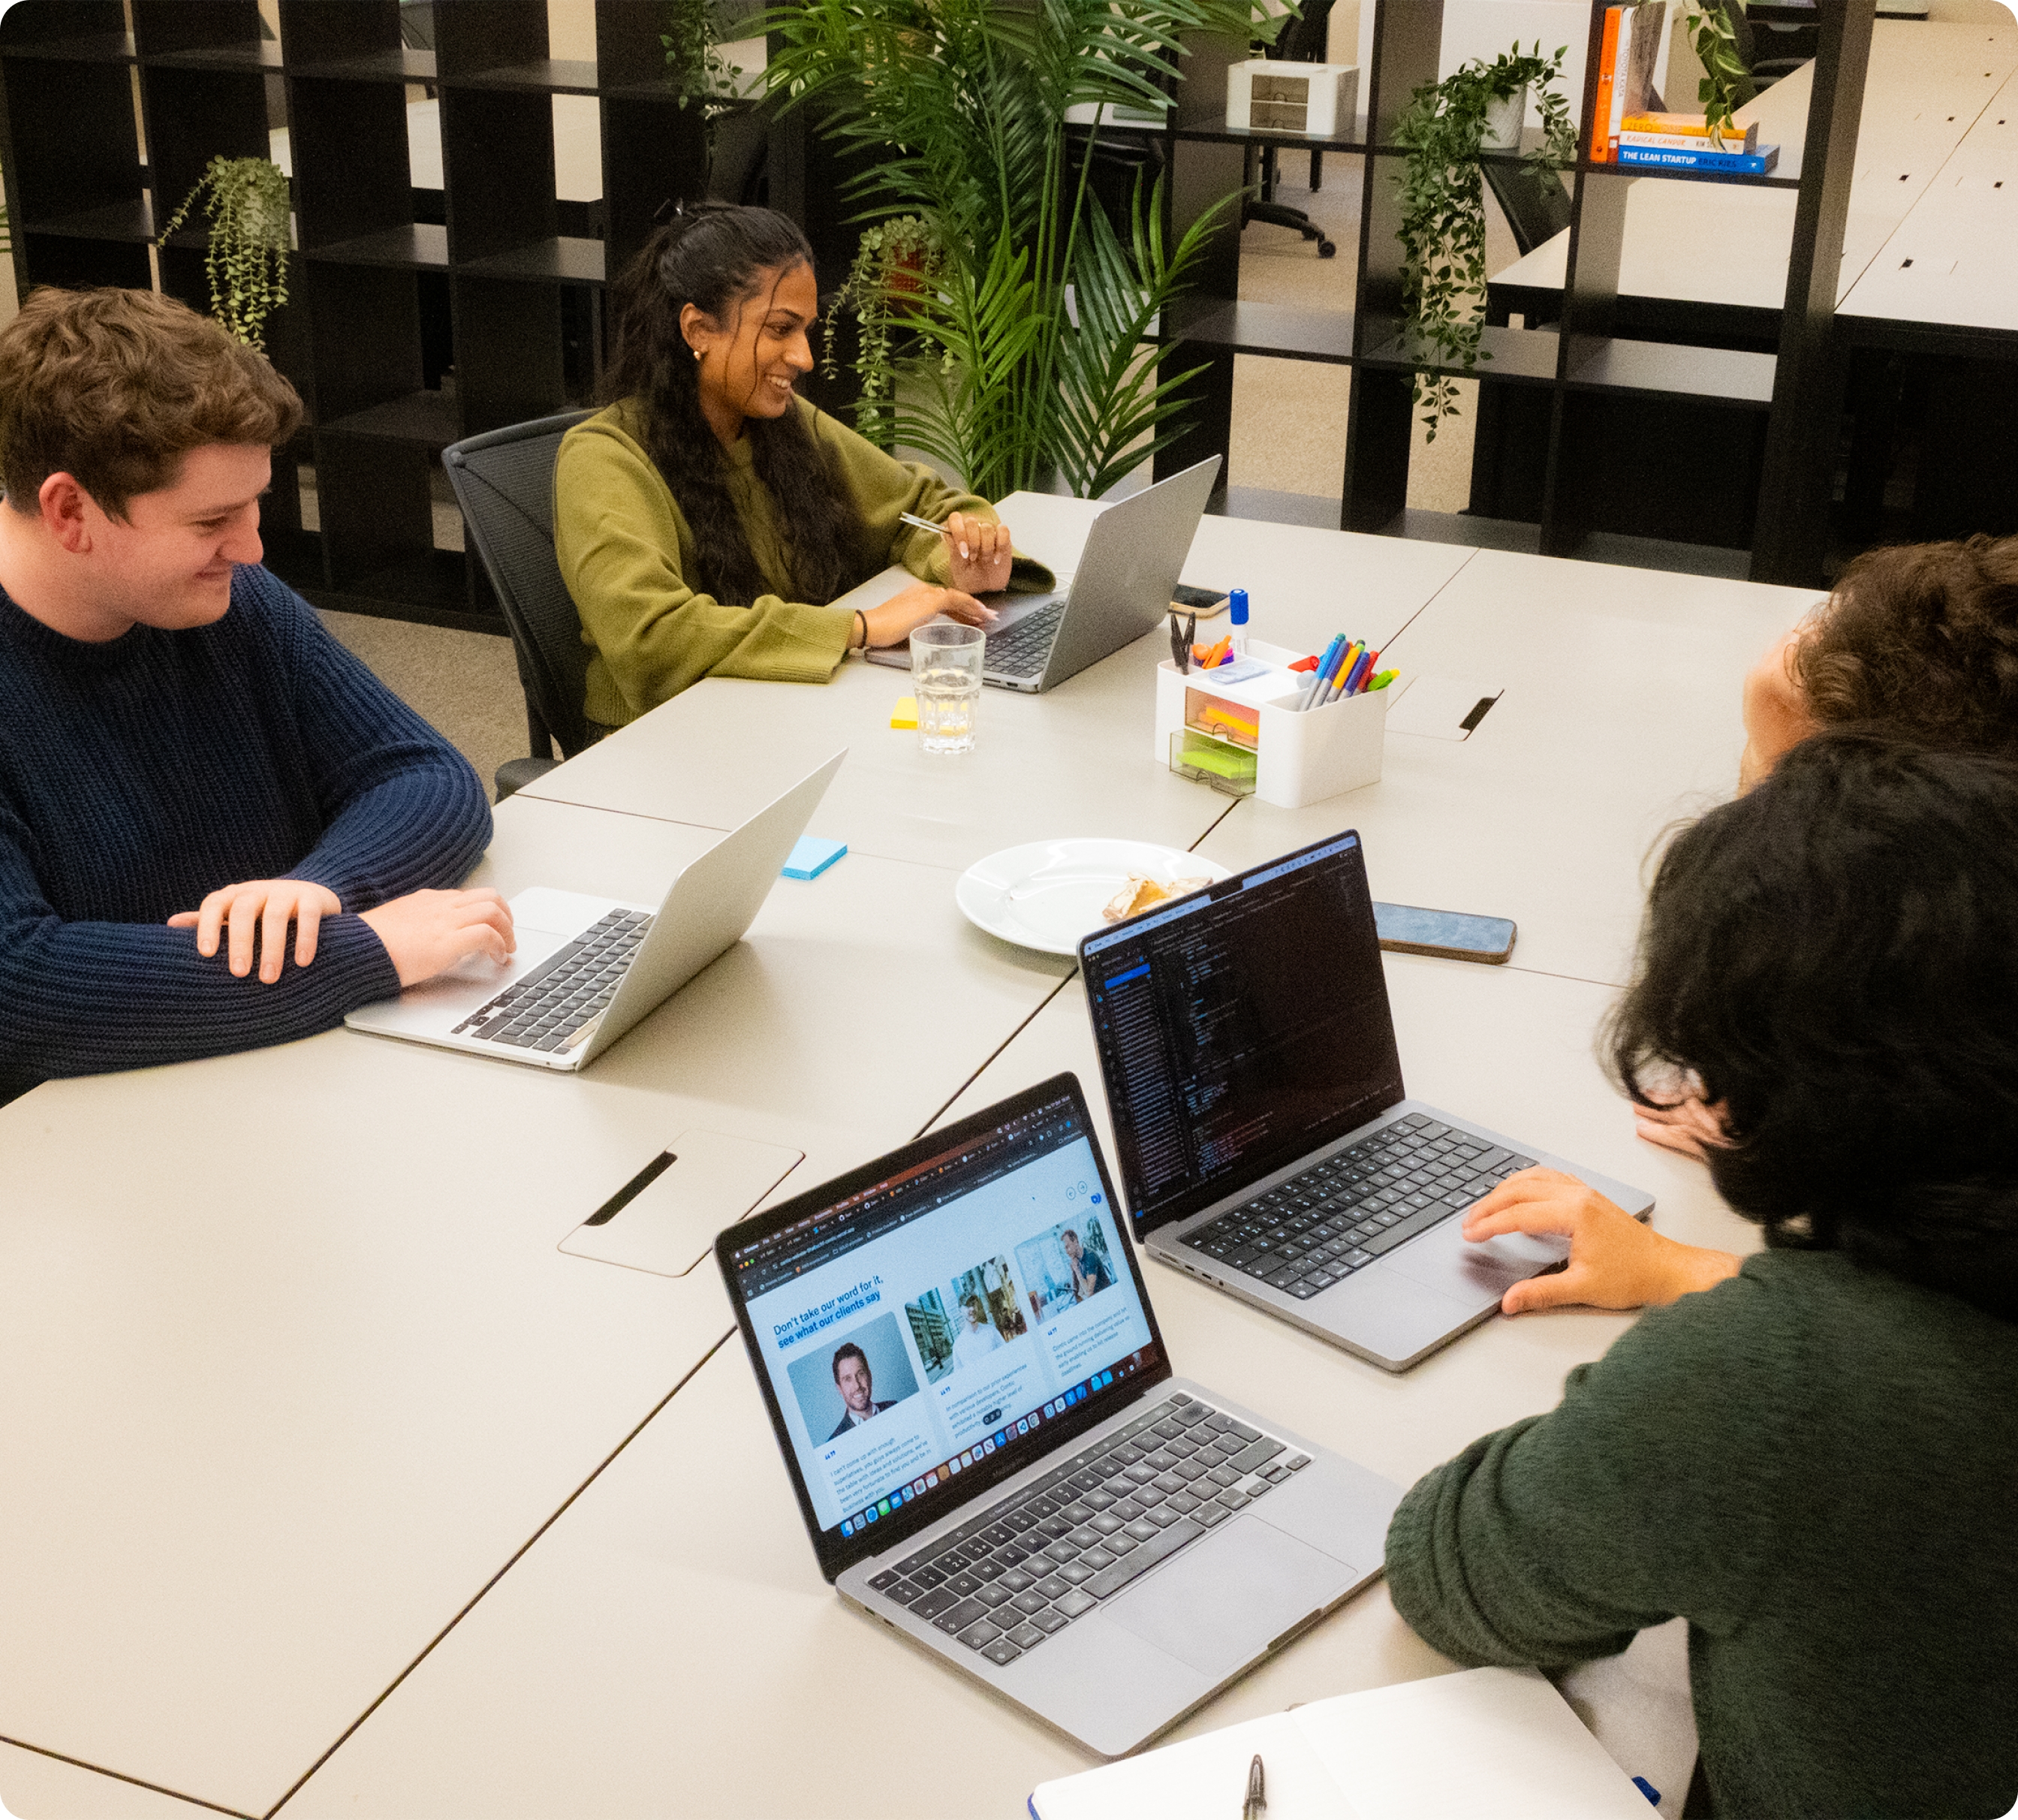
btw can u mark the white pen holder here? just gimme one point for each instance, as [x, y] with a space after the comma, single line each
[1299, 758]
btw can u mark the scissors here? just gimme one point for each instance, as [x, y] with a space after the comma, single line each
[1180, 641]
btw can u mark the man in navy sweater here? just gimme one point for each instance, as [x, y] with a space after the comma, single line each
[218, 830]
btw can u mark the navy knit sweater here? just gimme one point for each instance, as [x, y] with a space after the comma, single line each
[137, 776]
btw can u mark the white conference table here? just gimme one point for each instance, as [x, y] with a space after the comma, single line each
[1928, 83]
[1067, 763]
[294, 1367]
[324, 1377]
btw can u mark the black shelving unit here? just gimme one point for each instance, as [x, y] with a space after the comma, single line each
[415, 318]
[1572, 395]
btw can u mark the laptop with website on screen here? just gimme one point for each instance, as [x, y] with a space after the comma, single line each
[1267, 1143]
[1121, 589]
[990, 1450]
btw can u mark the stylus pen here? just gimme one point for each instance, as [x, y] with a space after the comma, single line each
[925, 524]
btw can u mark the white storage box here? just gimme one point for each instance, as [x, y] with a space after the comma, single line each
[1316, 99]
[1299, 758]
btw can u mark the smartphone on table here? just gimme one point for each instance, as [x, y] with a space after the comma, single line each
[1449, 934]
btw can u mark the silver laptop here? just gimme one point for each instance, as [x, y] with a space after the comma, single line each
[1267, 1144]
[991, 1452]
[587, 968]
[1120, 590]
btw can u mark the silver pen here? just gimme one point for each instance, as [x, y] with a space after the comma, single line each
[925, 524]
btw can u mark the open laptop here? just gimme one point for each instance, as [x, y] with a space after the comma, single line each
[1120, 590]
[991, 1452]
[1267, 1144]
[587, 968]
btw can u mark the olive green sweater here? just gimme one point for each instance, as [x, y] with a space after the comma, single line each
[629, 560]
[1814, 1463]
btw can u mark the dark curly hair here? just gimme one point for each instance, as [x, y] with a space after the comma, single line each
[1835, 956]
[1921, 641]
[718, 257]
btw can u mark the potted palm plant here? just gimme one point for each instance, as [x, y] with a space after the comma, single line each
[1446, 126]
[1033, 354]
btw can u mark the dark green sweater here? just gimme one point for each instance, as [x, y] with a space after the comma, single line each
[1816, 1465]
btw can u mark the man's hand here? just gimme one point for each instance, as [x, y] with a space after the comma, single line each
[979, 552]
[901, 614]
[426, 932]
[261, 907]
[1615, 1261]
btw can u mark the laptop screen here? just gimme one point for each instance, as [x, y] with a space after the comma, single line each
[1242, 1027]
[930, 1318]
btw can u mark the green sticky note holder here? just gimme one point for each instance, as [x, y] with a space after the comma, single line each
[1226, 767]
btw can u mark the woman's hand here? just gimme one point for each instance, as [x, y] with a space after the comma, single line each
[901, 614]
[1615, 1261]
[978, 553]
[427, 933]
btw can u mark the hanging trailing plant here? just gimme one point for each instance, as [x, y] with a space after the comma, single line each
[246, 260]
[699, 72]
[1726, 83]
[897, 262]
[1443, 208]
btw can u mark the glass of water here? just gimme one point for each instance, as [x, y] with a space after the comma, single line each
[945, 676]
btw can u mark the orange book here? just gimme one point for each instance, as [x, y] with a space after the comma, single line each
[1600, 112]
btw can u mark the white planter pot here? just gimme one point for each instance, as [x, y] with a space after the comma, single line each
[1504, 119]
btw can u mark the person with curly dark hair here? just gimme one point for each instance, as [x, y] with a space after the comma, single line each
[1918, 643]
[704, 518]
[1811, 1461]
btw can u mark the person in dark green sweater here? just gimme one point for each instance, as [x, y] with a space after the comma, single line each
[1812, 1460]
[703, 521]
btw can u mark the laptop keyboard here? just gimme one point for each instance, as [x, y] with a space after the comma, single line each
[1020, 651]
[1024, 1569]
[555, 1006]
[1314, 1231]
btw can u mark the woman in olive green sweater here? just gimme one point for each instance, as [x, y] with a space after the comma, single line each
[700, 520]
[1811, 1460]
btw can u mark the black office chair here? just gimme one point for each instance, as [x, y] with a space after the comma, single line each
[504, 481]
[1537, 208]
[1764, 70]
[1301, 40]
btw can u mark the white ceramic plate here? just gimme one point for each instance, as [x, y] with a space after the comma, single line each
[1047, 894]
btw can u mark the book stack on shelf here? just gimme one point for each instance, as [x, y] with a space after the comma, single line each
[1684, 141]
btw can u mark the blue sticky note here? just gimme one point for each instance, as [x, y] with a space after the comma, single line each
[812, 856]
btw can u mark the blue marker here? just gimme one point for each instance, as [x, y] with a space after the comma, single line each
[1317, 675]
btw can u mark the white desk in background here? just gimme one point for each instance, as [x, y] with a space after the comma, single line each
[1620, 716]
[292, 1365]
[1728, 244]
[1069, 762]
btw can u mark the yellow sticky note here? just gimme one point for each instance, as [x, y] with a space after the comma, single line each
[906, 713]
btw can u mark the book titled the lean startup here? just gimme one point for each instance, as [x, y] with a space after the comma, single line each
[1757, 164]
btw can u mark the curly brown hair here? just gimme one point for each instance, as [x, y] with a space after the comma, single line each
[1921, 643]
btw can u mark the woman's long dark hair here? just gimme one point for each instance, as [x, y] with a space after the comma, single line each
[1835, 956]
[717, 257]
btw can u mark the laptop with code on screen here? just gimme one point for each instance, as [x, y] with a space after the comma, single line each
[1267, 1144]
[992, 1453]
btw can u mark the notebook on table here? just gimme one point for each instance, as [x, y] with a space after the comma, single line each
[1266, 1142]
[1489, 1741]
[1122, 589]
[990, 1448]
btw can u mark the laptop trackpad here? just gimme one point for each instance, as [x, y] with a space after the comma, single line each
[1444, 1259]
[1224, 1600]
